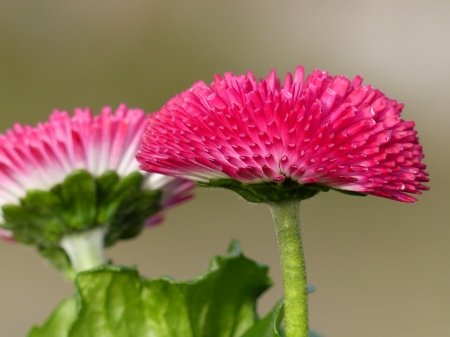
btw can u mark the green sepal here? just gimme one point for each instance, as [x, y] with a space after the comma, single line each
[59, 259]
[81, 202]
[37, 220]
[78, 197]
[271, 191]
[352, 193]
[108, 202]
[116, 301]
[135, 206]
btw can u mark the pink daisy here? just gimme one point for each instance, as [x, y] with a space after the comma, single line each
[41, 157]
[322, 132]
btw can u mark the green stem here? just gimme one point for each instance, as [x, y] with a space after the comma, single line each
[85, 249]
[286, 218]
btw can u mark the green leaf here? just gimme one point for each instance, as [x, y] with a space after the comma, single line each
[269, 326]
[59, 322]
[117, 302]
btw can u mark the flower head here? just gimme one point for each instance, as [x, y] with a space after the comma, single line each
[319, 133]
[41, 157]
[71, 174]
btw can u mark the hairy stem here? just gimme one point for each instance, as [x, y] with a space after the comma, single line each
[286, 218]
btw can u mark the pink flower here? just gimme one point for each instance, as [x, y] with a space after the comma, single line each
[323, 131]
[41, 157]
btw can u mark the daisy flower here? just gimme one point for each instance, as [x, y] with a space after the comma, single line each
[74, 182]
[326, 132]
[279, 143]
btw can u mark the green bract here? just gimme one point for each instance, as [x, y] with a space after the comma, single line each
[272, 191]
[81, 202]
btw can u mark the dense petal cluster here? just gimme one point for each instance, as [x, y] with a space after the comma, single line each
[324, 130]
[38, 158]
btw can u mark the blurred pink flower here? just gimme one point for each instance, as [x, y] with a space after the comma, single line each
[41, 157]
[324, 130]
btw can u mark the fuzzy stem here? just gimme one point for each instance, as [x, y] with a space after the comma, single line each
[85, 249]
[286, 217]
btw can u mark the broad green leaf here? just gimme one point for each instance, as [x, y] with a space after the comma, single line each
[59, 322]
[117, 302]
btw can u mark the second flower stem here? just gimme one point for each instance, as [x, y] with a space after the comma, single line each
[286, 218]
[85, 249]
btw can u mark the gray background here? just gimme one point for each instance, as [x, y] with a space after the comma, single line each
[381, 267]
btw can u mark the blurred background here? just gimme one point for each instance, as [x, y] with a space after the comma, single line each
[381, 268]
